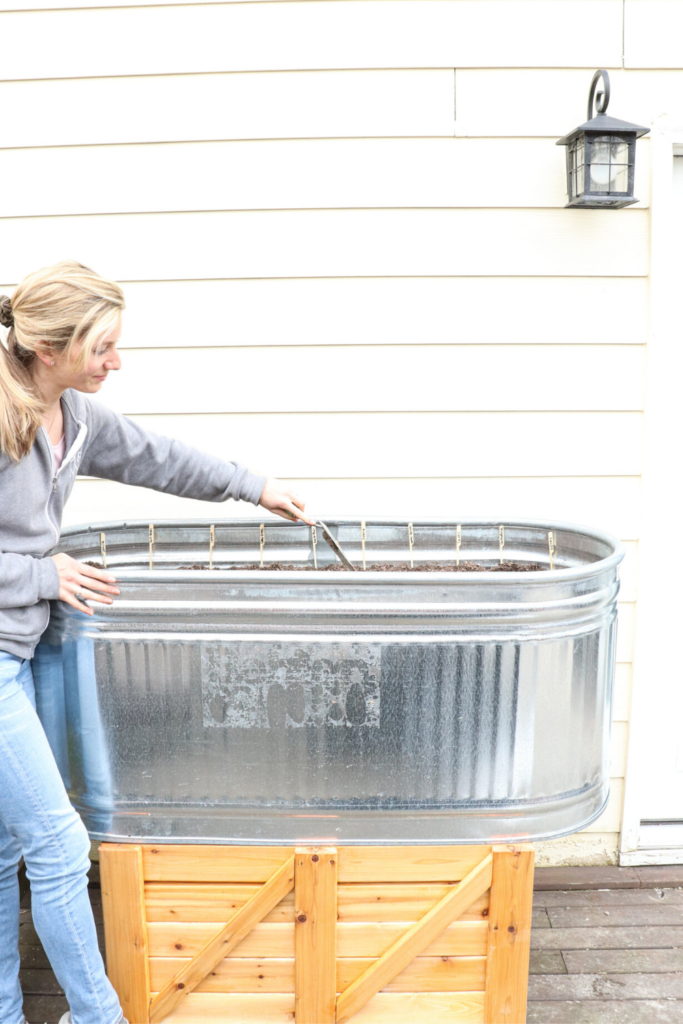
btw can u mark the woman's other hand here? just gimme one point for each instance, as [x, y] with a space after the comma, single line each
[76, 578]
[276, 498]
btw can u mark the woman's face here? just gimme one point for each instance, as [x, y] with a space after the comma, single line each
[90, 378]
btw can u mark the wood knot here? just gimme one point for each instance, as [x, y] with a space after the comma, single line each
[178, 945]
[331, 863]
[485, 913]
[302, 919]
[511, 928]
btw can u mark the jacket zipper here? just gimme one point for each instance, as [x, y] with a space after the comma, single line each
[75, 448]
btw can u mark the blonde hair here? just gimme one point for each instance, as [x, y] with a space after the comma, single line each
[51, 311]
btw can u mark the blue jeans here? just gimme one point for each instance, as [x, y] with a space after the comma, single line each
[37, 820]
[68, 709]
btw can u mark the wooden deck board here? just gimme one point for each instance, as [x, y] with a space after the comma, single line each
[608, 898]
[605, 986]
[630, 1011]
[648, 937]
[628, 917]
[623, 961]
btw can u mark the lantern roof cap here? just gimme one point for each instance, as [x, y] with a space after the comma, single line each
[603, 124]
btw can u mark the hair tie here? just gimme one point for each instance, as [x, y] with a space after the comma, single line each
[6, 314]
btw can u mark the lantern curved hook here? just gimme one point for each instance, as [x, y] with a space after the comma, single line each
[602, 97]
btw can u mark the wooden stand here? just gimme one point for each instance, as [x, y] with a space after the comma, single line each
[275, 935]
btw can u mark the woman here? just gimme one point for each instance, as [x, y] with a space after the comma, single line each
[64, 324]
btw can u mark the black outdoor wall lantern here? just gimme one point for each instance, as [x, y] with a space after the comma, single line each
[601, 155]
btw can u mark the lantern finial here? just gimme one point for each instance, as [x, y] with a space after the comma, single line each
[601, 98]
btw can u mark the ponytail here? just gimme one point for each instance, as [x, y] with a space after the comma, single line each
[50, 312]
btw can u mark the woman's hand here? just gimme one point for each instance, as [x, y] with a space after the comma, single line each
[283, 503]
[79, 582]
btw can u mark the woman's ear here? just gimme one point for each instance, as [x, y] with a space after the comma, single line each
[46, 356]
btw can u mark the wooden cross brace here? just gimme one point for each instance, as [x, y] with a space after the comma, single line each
[415, 940]
[230, 935]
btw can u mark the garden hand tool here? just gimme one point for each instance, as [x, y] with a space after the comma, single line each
[336, 546]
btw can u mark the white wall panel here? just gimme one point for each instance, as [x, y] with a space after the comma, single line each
[621, 707]
[628, 572]
[610, 821]
[653, 30]
[626, 632]
[377, 378]
[619, 749]
[57, 5]
[608, 503]
[269, 105]
[550, 102]
[282, 36]
[383, 311]
[397, 311]
[417, 444]
[354, 243]
[360, 173]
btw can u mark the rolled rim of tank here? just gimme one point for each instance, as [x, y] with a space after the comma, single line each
[511, 836]
[584, 570]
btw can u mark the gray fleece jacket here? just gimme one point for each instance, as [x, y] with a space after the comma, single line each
[98, 443]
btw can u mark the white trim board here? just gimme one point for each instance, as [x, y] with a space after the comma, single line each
[658, 615]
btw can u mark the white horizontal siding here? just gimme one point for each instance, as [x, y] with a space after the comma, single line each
[418, 444]
[608, 503]
[268, 105]
[550, 102]
[324, 174]
[58, 5]
[623, 679]
[610, 821]
[626, 632]
[391, 311]
[384, 311]
[396, 311]
[653, 30]
[619, 750]
[311, 35]
[379, 378]
[356, 243]
[628, 573]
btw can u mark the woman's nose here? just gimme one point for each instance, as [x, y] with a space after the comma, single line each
[113, 362]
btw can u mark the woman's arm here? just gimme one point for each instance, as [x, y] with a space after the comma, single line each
[25, 580]
[120, 449]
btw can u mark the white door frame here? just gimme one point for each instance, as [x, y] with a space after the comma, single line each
[659, 624]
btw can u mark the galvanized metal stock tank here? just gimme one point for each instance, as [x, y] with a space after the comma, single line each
[240, 705]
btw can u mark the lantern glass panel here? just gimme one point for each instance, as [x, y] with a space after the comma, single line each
[576, 168]
[609, 164]
[619, 180]
[580, 151]
[619, 151]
